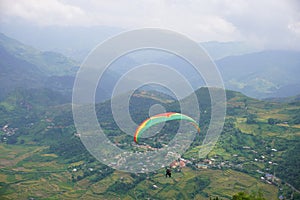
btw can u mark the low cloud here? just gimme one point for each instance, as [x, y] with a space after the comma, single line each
[44, 13]
[267, 23]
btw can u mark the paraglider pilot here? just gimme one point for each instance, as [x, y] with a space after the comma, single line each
[168, 172]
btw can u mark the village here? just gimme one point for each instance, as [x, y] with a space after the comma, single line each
[8, 132]
[267, 174]
[215, 162]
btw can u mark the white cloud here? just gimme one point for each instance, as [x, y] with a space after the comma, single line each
[265, 23]
[46, 12]
[194, 18]
[295, 28]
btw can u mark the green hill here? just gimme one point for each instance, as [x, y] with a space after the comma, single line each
[25, 67]
[50, 63]
[262, 74]
[42, 156]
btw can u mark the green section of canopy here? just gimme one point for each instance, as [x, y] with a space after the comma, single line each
[160, 118]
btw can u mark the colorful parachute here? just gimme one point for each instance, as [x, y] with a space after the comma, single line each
[162, 118]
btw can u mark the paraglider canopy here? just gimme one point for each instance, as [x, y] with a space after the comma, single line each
[159, 118]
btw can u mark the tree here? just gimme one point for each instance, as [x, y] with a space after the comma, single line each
[214, 198]
[240, 196]
[245, 196]
[12, 139]
[251, 119]
[273, 121]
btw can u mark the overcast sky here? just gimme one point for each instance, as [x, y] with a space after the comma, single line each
[264, 23]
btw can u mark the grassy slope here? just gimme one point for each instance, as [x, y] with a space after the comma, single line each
[52, 180]
[29, 171]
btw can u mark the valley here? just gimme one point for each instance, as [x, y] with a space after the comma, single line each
[42, 155]
[47, 160]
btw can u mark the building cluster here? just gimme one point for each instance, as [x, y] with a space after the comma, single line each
[8, 131]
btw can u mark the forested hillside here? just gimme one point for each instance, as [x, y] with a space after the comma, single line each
[256, 152]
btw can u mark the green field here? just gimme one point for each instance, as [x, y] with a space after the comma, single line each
[52, 180]
[29, 181]
[42, 158]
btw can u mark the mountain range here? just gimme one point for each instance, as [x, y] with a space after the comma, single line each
[264, 74]
[42, 156]
[22, 66]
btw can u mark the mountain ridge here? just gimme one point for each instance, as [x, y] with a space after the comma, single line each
[262, 74]
[50, 63]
